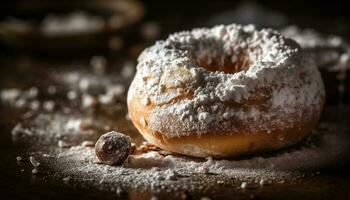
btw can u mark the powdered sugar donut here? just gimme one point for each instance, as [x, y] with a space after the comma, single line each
[225, 91]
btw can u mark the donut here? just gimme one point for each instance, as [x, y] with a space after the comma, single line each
[225, 91]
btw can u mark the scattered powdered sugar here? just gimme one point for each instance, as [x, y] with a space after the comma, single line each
[73, 125]
[328, 147]
[189, 96]
[95, 89]
[60, 127]
[23, 99]
[34, 162]
[153, 170]
[80, 164]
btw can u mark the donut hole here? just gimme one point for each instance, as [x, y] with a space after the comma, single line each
[226, 64]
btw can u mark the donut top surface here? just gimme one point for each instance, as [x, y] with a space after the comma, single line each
[200, 81]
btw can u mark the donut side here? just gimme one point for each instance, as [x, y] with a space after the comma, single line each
[220, 144]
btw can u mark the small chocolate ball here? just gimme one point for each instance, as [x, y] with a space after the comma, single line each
[113, 148]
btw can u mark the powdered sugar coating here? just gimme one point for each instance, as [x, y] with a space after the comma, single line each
[279, 89]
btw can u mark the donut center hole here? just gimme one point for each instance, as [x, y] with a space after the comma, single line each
[227, 64]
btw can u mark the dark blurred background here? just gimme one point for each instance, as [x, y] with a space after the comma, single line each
[329, 17]
[42, 38]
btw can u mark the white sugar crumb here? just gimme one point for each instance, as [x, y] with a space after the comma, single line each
[10, 95]
[34, 162]
[189, 99]
[34, 105]
[113, 92]
[33, 92]
[19, 158]
[262, 182]
[204, 169]
[170, 174]
[35, 171]
[88, 144]
[71, 95]
[88, 101]
[244, 185]
[63, 144]
[73, 125]
[49, 105]
[66, 179]
[146, 160]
